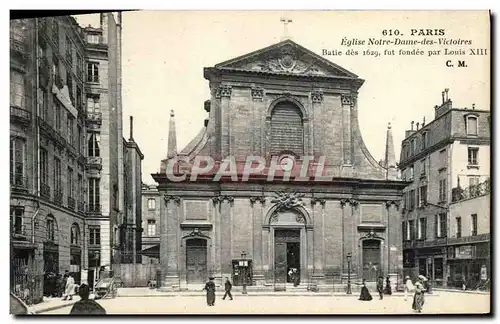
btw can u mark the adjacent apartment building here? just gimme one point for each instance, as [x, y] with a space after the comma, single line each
[439, 158]
[67, 186]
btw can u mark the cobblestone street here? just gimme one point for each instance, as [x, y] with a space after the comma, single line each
[445, 302]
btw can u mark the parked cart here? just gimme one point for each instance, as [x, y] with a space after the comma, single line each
[106, 286]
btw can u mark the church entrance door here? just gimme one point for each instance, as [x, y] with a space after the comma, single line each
[196, 261]
[286, 256]
[371, 260]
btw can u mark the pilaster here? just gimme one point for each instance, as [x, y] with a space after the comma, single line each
[318, 207]
[257, 204]
[169, 246]
[223, 93]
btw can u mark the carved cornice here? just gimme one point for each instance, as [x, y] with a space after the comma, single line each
[371, 235]
[257, 93]
[176, 199]
[220, 199]
[260, 199]
[347, 100]
[321, 201]
[299, 218]
[317, 96]
[392, 202]
[287, 200]
[350, 201]
[196, 233]
[223, 91]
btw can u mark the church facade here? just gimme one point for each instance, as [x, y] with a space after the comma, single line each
[297, 111]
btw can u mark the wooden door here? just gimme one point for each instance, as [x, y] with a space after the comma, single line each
[280, 264]
[371, 260]
[196, 261]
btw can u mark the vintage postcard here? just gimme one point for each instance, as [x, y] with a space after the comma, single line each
[250, 162]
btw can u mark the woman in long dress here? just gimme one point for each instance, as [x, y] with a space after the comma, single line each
[418, 298]
[210, 288]
[388, 289]
[365, 294]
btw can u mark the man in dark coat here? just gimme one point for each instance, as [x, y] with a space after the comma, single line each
[210, 288]
[227, 288]
[86, 306]
[380, 287]
[388, 288]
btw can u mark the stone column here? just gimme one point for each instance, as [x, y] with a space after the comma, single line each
[347, 105]
[257, 209]
[223, 93]
[217, 240]
[394, 242]
[318, 237]
[310, 251]
[349, 234]
[169, 243]
[226, 239]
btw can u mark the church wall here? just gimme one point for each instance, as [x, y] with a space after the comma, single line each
[334, 238]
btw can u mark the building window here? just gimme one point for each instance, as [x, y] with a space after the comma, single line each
[17, 89]
[412, 172]
[440, 225]
[424, 140]
[16, 220]
[55, 31]
[151, 203]
[69, 83]
[411, 225]
[406, 153]
[93, 104]
[55, 68]
[57, 116]
[471, 125]
[57, 177]
[412, 200]
[79, 98]
[473, 226]
[93, 38]
[51, 228]
[93, 72]
[422, 167]
[473, 153]
[80, 189]
[75, 234]
[44, 104]
[70, 132]
[17, 160]
[44, 166]
[115, 197]
[79, 66]
[442, 157]
[71, 188]
[79, 139]
[459, 226]
[18, 30]
[442, 190]
[93, 147]
[69, 50]
[95, 235]
[422, 228]
[422, 196]
[94, 195]
[413, 146]
[151, 227]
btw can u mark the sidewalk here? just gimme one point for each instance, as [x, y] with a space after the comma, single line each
[49, 304]
[462, 291]
[146, 292]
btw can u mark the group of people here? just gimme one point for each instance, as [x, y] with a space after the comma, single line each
[294, 276]
[210, 289]
[56, 285]
[419, 290]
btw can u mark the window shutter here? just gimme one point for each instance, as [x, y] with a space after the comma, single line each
[436, 226]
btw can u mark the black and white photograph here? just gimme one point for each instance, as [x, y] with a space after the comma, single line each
[250, 162]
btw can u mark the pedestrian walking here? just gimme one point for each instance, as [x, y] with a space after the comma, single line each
[69, 289]
[210, 288]
[388, 289]
[86, 306]
[227, 288]
[365, 294]
[418, 298]
[380, 287]
[408, 287]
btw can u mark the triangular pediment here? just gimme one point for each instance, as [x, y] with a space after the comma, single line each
[286, 57]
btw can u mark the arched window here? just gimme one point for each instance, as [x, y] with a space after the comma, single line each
[75, 234]
[50, 228]
[287, 129]
[151, 203]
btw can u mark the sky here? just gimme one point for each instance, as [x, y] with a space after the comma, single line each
[164, 53]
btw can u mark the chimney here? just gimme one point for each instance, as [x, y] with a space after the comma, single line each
[473, 106]
[423, 122]
[446, 93]
[418, 125]
[412, 122]
[131, 129]
[442, 97]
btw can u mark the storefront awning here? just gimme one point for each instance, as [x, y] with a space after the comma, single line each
[152, 251]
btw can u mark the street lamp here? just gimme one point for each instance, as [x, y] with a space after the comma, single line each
[349, 256]
[244, 264]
